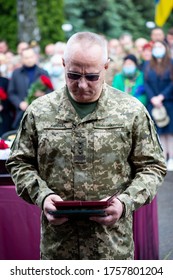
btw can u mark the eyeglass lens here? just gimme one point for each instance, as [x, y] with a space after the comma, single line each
[88, 77]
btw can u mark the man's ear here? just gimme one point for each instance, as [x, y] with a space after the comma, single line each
[63, 62]
[107, 64]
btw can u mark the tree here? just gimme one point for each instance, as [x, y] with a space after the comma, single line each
[97, 16]
[8, 23]
[112, 17]
[27, 21]
[50, 16]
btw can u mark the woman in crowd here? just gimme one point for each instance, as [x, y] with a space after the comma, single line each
[130, 79]
[158, 73]
[146, 55]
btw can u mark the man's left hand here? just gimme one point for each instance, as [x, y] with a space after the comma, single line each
[113, 213]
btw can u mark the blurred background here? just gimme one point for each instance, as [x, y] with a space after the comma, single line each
[56, 20]
[131, 27]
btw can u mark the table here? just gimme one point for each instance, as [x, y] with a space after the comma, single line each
[145, 232]
[19, 223]
[20, 227]
[5, 178]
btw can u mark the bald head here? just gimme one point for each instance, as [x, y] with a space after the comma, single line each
[86, 41]
[85, 61]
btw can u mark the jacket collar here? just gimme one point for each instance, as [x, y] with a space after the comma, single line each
[66, 111]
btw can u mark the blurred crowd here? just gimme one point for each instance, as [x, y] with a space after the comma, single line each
[143, 68]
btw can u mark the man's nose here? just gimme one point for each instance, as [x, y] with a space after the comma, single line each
[82, 83]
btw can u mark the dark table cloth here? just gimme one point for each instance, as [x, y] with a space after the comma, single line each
[19, 227]
[145, 230]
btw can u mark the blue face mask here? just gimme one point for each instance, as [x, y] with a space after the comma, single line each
[158, 52]
[129, 71]
[56, 71]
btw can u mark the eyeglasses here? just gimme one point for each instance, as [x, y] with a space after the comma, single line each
[89, 77]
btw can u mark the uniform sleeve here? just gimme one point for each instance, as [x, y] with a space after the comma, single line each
[148, 164]
[22, 163]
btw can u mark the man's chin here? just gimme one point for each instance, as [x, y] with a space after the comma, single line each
[82, 98]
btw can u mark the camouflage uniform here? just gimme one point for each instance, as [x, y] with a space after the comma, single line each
[114, 148]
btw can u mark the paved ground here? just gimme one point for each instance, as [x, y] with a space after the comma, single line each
[165, 216]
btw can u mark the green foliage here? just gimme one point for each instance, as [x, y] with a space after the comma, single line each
[37, 86]
[50, 16]
[97, 16]
[8, 23]
[169, 23]
[111, 18]
[42, 84]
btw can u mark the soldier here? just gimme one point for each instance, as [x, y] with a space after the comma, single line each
[85, 142]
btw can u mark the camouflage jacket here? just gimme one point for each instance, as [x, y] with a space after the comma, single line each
[114, 148]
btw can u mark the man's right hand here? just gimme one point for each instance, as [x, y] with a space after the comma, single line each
[49, 205]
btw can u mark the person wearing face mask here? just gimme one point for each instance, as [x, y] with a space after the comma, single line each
[56, 71]
[158, 73]
[130, 79]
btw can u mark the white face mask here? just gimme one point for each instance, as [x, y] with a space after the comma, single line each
[158, 52]
[3, 68]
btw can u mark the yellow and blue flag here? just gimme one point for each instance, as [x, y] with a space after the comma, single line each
[163, 9]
